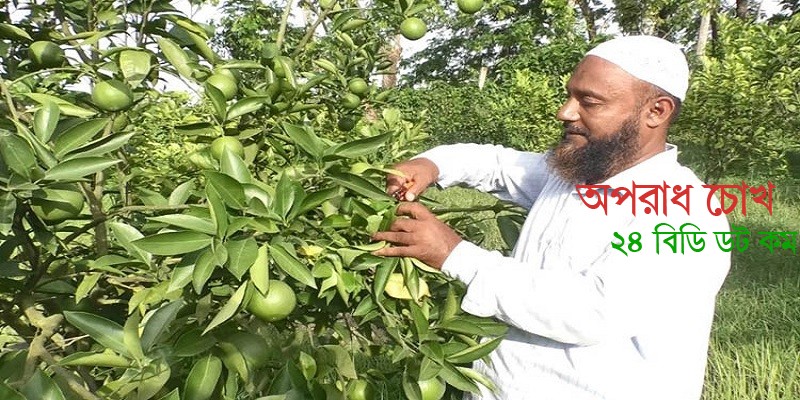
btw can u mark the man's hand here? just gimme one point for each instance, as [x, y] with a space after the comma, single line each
[419, 174]
[421, 235]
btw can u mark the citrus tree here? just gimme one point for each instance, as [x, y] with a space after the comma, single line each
[247, 274]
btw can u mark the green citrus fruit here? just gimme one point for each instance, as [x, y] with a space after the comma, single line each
[350, 101]
[224, 83]
[360, 390]
[251, 346]
[358, 86]
[112, 95]
[279, 302]
[432, 389]
[57, 203]
[346, 124]
[327, 4]
[231, 143]
[470, 6]
[46, 54]
[413, 28]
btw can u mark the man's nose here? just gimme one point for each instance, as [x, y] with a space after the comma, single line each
[568, 111]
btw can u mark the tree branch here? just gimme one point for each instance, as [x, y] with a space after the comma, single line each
[284, 21]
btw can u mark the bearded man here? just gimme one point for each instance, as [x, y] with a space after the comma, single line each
[599, 304]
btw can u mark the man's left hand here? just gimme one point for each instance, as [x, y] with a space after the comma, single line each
[421, 235]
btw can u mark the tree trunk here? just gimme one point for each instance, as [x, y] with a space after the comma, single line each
[702, 35]
[588, 18]
[742, 9]
[395, 55]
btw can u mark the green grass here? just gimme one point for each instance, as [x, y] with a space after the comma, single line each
[755, 343]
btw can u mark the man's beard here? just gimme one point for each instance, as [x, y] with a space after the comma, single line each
[599, 158]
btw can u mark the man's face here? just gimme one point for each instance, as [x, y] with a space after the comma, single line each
[601, 123]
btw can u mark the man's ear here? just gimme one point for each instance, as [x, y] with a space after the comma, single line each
[659, 111]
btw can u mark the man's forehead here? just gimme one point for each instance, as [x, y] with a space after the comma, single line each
[600, 78]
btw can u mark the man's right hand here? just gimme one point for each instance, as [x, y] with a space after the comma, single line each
[419, 173]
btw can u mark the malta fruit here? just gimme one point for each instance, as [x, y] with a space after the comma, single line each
[396, 287]
[358, 86]
[432, 389]
[360, 390]
[469, 6]
[350, 101]
[225, 83]
[46, 54]
[252, 347]
[112, 95]
[279, 302]
[219, 145]
[346, 124]
[413, 28]
[57, 203]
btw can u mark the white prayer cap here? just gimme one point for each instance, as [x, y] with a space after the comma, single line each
[649, 58]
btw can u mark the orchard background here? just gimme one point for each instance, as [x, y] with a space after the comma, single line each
[215, 243]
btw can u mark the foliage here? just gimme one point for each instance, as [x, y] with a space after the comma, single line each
[503, 29]
[741, 111]
[144, 293]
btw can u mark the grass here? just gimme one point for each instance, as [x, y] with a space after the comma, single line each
[754, 352]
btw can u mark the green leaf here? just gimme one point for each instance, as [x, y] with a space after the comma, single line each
[175, 394]
[475, 352]
[288, 69]
[193, 343]
[229, 190]
[135, 66]
[203, 269]
[102, 146]
[284, 196]
[78, 135]
[203, 378]
[131, 336]
[315, 199]
[218, 211]
[153, 378]
[428, 369]
[382, 273]
[305, 138]
[77, 168]
[105, 359]
[217, 100]
[8, 205]
[411, 387]
[6, 392]
[229, 309]
[126, 235]
[187, 221]
[176, 56]
[357, 148]
[102, 330]
[359, 185]
[232, 165]
[241, 256]
[181, 193]
[292, 266]
[158, 323]
[41, 387]
[45, 120]
[247, 105]
[17, 154]
[308, 366]
[66, 108]
[9, 31]
[87, 284]
[509, 229]
[259, 271]
[344, 361]
[471, 325]
[456, 379]
[172, 243]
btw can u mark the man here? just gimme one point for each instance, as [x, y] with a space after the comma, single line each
[597, 308]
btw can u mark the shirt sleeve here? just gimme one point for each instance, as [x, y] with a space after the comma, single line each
[617, 297]
[508, 174]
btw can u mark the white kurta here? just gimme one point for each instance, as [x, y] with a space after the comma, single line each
[587, 321]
